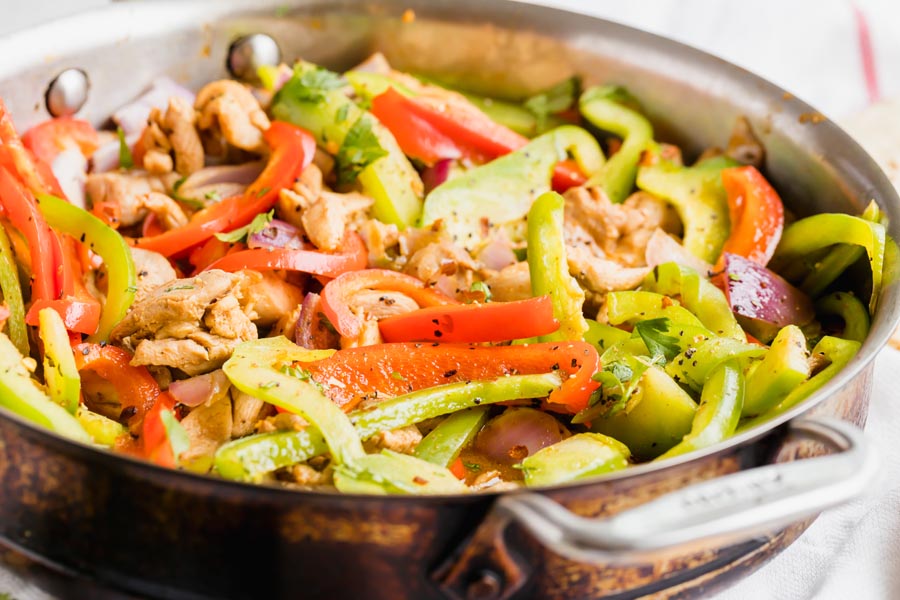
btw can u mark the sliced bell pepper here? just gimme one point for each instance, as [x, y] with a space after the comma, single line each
[352, 257]
[500, 193]
[549, 270]
[34, 174]
[699, 196]
[443, 444]
[802, 238]
[19, 394]
[135, 387]
[46, 253]
[154, 440]
[417, 137]
[490, 322]
[837, 352]
[784, 367]
[112, 248]
[60, 372]
[582, 456]
[394, 473]
[103, 431]
[338, 292]
[388, 370]
[292, 150]
[698, 295]
[694, 365]
[390, 180]
[852, 312]
[606, 107]
[46, 140]
[634, 306]
[12, 295]
[756, 214]
[656, 417]
[720, 410]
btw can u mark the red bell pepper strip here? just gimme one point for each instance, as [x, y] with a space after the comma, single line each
[46, 140]
[491, 322]
[155, 442]
[292, 150]
[756, 212]
[337, 293]
[33, 173]
[427, 126]
[388, 370]
[135, 387]
[46, 253]
[352, 257]
[212, 250]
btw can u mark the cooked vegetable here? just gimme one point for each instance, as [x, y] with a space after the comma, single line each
[784, 367]
[578, 457]
[756, 215]
[60, 372]
[851, 311]
[444, 443]
[12, 295]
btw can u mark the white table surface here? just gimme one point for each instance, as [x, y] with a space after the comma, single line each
[811, 48]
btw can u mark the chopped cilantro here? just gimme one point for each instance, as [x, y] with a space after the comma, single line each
[312, 85]
[472, 466]
[557, 99]
[360, 149]
[126, 160]
[212, 195]
[654, 332]
[175, 288]
[240, 234]
[191, 202]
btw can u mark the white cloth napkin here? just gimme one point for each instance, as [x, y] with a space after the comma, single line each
[813, 49]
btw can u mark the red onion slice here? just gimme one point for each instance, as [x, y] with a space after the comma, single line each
[517, 433]
[244, 174]
[197, 390]
[311, 332]
[277, 234]
[106, 157]
[132, 117]
[436, 175]
[70, 169]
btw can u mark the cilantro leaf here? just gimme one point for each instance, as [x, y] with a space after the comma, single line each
[553, 100]
[240, 234]
[360, 149]
[654, 332]
[126, 160]
[312, 85]
[176, 434]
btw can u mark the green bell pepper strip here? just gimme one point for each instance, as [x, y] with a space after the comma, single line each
[603, 336]
[250, 458]
[582, 456]
[820, 273]
[12, 295]
[549, 269]
[604, 107]
[103, 431]
[836, 350]
[250, 369]
[60, 373]
[394, 473]
[112, 248]
[657, 416]
[443, 443]
[502, 191]
[695, 365]
[699, 197]
[808, 235]
[307, 101]
[20, 395]
[698, 295]
[784, 367]
[420, 405]
[634, 306]
[850, 310]
[719, 412]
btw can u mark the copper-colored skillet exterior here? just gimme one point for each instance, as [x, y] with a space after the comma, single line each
[162, 533]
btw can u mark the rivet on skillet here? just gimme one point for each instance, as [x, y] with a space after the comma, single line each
[246, 54]
[486, 586]
[67, 93]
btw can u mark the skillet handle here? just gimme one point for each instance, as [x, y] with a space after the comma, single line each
[726, 510]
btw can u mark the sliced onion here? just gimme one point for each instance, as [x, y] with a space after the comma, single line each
[662, 248]
[132, 117]
[436, 175]
[197, 390]
[106, 157]
[311, 333]
[210, 194]
[70, 169]
[517, 433]
[244, 174]
[277, 234]
[497, 255]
